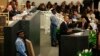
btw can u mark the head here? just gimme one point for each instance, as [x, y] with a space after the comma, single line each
[75, 12]
[63, 3]
[54, 11]
[21, 34]
[49, 5]
[83, 20]
[78, 3]
[61, 12]
[33, 4]
[42, 5]
[28, 4]
[55, 5]
[90, 12]
[71, 3]
[66, 18]
[9, 8]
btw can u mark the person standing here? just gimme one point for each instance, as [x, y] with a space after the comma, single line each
[53, 28]
[20, 44]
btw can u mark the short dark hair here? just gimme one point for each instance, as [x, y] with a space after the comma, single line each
[53, 11]
[19, 32]
[27, 1]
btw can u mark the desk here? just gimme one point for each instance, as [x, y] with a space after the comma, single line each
[69, 45]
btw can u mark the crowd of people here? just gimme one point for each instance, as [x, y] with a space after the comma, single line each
[13, 8]
[65, 17]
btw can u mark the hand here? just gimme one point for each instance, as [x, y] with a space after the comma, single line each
[69, 30]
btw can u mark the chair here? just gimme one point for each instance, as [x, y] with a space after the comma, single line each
[30, 48]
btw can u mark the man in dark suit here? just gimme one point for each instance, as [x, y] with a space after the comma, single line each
[71, 7]
[79, 7]
[96, 4]
[64, 26]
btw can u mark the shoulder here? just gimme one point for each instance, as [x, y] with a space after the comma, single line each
[63, 23]
[18, 40]
[52, 16]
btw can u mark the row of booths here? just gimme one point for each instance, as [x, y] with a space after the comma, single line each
[29, 23]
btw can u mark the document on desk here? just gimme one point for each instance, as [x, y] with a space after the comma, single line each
[79, 33]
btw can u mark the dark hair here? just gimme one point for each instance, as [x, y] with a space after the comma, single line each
[19, 32]
[53, 11]
[28, 5]
[27, 1]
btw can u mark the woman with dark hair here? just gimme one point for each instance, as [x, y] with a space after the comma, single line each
[49, 5]
[63, 7]
[12, 8]
[9, 9]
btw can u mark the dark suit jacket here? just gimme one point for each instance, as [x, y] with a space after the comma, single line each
[86, 24]
[63, 28]
[71, 9]
[81, 8]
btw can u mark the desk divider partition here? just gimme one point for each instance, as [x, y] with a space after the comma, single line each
[31, 28]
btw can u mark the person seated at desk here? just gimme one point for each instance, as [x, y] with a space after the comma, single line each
[33, 5]
[76, 16]
[21, 44]
[12, 8]
[64, 29]
[28, 6]
[91, 15]
[84, 24]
